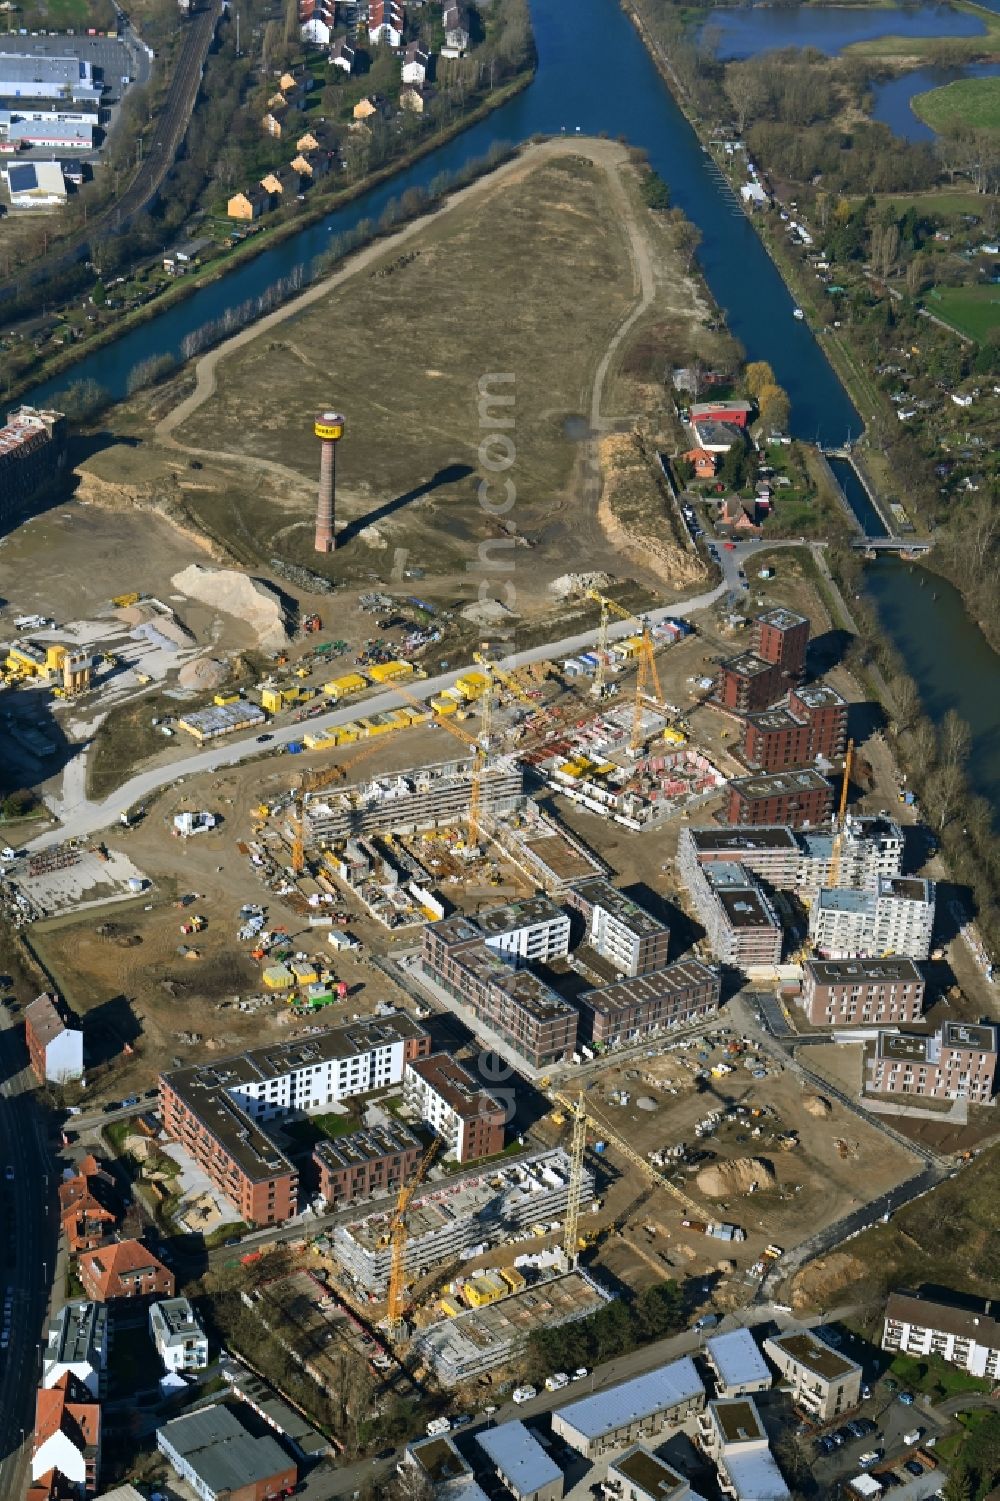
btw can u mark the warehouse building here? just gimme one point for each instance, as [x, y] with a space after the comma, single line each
[958, 1062]
[444, 1221]
[616, 1015]
[800, 799]
[425, 798]
[823, 1382]
[737, 1364]
[221, 1460]
[633, 1410]
[741, 924]
[521, 1464]
[965, 1334]
[376, 1160]
[896, 918]
[731, 1433]
[26, 75]
[861, 992]
[638, 1475]
[618, 929]
[467, 1118]
[35, 184]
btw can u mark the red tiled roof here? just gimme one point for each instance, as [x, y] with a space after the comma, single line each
[106, 1266]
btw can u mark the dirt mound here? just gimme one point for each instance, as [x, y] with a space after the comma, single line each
[487, 612]
[819, 1283]
[568, 584]
[204, 674]
[741, 1176]
[235, 594]
[631, 514]
[817, 1105]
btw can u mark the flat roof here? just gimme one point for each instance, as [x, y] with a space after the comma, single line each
[845, 899]
[755, 1475]
[819, 696]
[781, 783]
[519, 1457]
[907, 888]
[647, 1472]
[455, 1086]
[515, 915]
[816, 1355]
[77, 1332]
[601, 893]
[780, 619]
[386, 1139]
[438, 1458]
[523, 988]
[673, 979]
[745, 837]
[177, 1317]
[779, 718]
[633, 1401]
[746, 907]
[908, 1047]
[891, 971]
[737, 1359]
[970, 1035]
[737, 1420]
[747, 665]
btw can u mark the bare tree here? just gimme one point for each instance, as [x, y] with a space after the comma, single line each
[907, 701]
[885, 248]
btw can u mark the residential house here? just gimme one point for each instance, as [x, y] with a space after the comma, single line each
[716, 437]
[126, 1269]
[456, 30]
[66, 1447]
[281, 185]
[823, 1382]
[77, 1346]
[413, 99]
[54, 1039]
[703, 462]
[964, 1332]
[249, 205]
[386, 19]
[87, 1207]
[624, 1414]
[295, 85]
[640, 1475]
[731, 1432]
[316, 30]
[311, 164]
[416, 63]
[342, 55]
[180, 1341]
[446, 1096]
[318, 137]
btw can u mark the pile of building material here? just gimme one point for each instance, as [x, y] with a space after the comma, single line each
[236, 594]
[744, 1175]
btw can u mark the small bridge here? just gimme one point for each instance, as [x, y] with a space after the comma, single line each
[891, 544]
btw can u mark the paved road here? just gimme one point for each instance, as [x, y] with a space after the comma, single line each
[84, 817]
[27, 1250]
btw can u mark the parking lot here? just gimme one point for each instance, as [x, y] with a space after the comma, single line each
[112, 58]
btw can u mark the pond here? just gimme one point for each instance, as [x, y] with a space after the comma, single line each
[892, 98]
[748, 31]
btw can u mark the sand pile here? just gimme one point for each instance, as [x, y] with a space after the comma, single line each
[235, 594]
[204, 675]
[569, 584]
[741, 1176]
[487, 612]
[816, 1105]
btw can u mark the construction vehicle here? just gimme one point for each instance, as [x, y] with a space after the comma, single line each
[647, 681]
[312, 624]
[397, 1272]
[838, 840]
[122, 601]
[195, 924]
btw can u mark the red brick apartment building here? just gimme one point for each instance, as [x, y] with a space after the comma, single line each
[799, 799]
[749, 684]
[376, 1160]
[959, 1062]
[861, 992]
[219, 1112]
[646, 1005]
[66, 1445]
[781, 636]
[124, 1269]
[814, 723]
[467, 1117]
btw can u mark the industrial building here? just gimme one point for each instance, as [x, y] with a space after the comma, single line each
[217, 1112]
[824, 1382]
[425, 798]
[638, 1475]
[800, 799]
[33, 446]
[78, 1344]
[35, 184]
[27, 75]
[896, 918]
[616, 1015]
[633, 1410]
[446, 1220]
[222, 719]
[375, 1160]
[741, 924]
[466, 1117]
[731, 1433]
[800, 860]
[521, 1463]
[531, 931]
[811, 725]
[619, 929]
[460, 1349]
[965, 1334]
[958, 1062]
[530, 1017]
[222, 1460]
[737, 1364]
[54, 1040]
[181, 1342]
[861, 992]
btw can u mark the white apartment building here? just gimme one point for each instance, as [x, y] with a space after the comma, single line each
[896, 918]
[77, 1345]
[631, 1411]
[639, 1475]
[618, 929]
[180, 1341]
[799, 859]
[731, 1433]
[966, 1337]
[445, 1095]
[822, 1381]
[528, 932]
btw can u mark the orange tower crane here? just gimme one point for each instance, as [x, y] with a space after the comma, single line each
[315, 781]
[838, 838]
[647, 682]
[397, 1270]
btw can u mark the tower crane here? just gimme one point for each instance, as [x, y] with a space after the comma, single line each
[478, 744]
[315, 781]
[397, 1270]
[838, 838]
[647, 682]
[578, 1142]
[590, 1118]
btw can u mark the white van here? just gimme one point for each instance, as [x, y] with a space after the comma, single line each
[524, 1394]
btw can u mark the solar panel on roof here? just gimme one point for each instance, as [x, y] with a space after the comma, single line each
[22, 179]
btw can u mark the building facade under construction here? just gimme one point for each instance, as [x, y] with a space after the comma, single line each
[425, 797]
[33, 448]
[449, 1220]
[799, 860]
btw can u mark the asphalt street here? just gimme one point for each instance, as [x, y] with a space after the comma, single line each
[27, 1250]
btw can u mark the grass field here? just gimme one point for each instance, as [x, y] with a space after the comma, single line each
[934, 1376]
[972, 310]
[967, 101]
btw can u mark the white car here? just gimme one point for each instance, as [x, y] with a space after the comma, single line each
[556, 1381]
[524, 1394]
[579, 1374]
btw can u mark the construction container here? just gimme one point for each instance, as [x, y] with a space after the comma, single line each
[471, 685]
[351, 682]
[277, 977]
[389, 672]
[271, 700]
[304, 971]
[226, 698]
[444, 705]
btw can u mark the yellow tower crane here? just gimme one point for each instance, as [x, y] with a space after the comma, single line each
[838, 838]
[647, 682]
[315, 781]
[601, 1127]
[578, 1142]
[479, 746]
[397, 1269]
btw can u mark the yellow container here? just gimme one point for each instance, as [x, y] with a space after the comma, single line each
[351, 682]
[442, 705]
[389, 672]
[226, 698]
[271, 700]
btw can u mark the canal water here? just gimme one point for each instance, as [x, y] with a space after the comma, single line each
[631, 101]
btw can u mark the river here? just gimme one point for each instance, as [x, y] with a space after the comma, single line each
[594, 74]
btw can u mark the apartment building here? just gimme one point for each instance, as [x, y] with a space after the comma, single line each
[77, 1345]
[459, 1110]
[639, 1475]
[527, 932]
[180, 1341]
[632, 1411]
[800, 860]
[861, 992]
[800, 799]
[88, 1206]
[376, 1160]
[615, 1015]
[771, 853]
[958, 1062]
[619, 929]
[528, 1016]
[124, 1269]
[436, 1469]
[54, 1039]
[421, 798]
[66, 1445]
[965, 1334]
[741, 924]
[737, 1364]
[731, 1433]
[896, 918]
[218, 1112]
[520, 1462]
[780, 637]
[748, 684]
[812, 724]
[824, 1382]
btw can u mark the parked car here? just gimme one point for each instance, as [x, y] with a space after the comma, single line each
[556, 1381]
[906, 1398]
[914, 1467]
[870, 1458]
[580, 1372]
[131, 1102]
[524, 1394]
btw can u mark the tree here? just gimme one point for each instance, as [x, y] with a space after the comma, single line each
[758, 375]
[885, 248]
[953, 752]
[775, 407]
[687, 238]
[907, 701]
[957, 1487]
